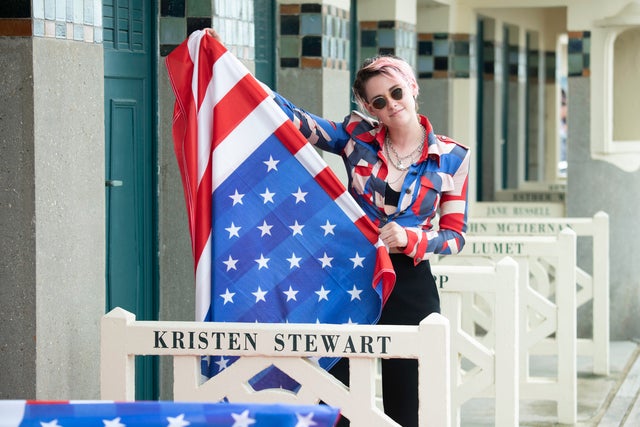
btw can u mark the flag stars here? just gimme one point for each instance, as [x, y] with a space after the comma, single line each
[323, 294]
[113, 423]
[53, 423]
[178, 421]
[271, 164]
[357, 261]
[328, 228]
[233, 230]
[265, 229]
[259, 294]
[300, 196]
[237, 198]
[243, 419]
[267, 196]
[227, 297]
[222, 364]
[355, 293]
[294, 261]
[325, 260]
[305, 420]
[297, 228]
[230, 263]
[291, 294]
[262, 262]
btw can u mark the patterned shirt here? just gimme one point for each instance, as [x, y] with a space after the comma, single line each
[435, 185]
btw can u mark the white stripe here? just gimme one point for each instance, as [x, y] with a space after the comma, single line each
[203, 282]
[227, 71]
[12, 412]
[349, 206]
[453, 206]
[310, 159]
[245, 139]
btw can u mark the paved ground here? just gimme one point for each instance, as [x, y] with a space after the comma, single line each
[611, 401]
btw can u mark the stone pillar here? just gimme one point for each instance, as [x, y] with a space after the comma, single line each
[51, 201]
[313, 64]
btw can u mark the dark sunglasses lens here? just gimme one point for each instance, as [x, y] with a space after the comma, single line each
[397, 93]
[379, 103]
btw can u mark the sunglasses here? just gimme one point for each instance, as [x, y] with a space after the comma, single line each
[380, 102]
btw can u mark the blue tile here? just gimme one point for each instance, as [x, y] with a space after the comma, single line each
[311, 24]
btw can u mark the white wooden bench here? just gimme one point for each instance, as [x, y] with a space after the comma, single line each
[591, 288]
[494, 368]
[547, 310]
[516, 209]
[289, 347]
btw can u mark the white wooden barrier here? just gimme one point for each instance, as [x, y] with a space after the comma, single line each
[533, 195]
[495, 369]
[516, 209]
[289, 347]
[592, 287]
[546, 317]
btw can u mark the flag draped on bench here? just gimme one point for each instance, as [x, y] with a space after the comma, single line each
[275, 235]
[24, 413]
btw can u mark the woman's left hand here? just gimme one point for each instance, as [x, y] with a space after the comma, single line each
[393, 235]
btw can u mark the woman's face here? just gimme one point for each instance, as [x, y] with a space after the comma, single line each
[383, 90]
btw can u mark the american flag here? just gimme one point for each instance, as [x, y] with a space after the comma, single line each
[276, 237]
[23, 413]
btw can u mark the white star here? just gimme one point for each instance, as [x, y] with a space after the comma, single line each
[297, 228]
[322, 294]
[299, 195]
[113, 423]
[237, 198]
[267, 196]
[53, 423]
[271, 164]
[233, 230]
[230, 263]
[325, 260]
[227, 296]
[328, 228]
[242, 420]
[357, 260]
[294, 261]
[291, 294]
[355, 293]
[262, 262]
[351, 322]
[305, 421]
[177, 421]
[259, 294]
[222, 364]
[265, 228]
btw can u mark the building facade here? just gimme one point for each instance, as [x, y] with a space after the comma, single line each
[91, 209]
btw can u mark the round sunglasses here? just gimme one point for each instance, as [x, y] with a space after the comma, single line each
[380, 102]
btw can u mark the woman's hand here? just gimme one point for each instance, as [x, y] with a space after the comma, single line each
[213, 34]
[393, 235]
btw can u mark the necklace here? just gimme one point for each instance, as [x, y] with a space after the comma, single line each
[399, 163]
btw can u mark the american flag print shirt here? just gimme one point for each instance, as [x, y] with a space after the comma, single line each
[435, 185]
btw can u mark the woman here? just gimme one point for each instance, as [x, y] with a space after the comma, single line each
[402, 174]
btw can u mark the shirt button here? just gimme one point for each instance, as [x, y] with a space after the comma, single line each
[407, 191]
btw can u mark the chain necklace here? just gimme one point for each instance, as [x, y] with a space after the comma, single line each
[399, 163]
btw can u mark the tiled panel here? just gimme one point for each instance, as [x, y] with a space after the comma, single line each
[232, 19]
[550, 67]
[79, 20]
[579, 53]
[443, 55]
[388, 38]
[313, 36]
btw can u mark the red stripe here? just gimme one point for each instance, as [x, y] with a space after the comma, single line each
[210, 52]
[290, 137]
[330, 183]
[367, 228]
[203, 211]
[235, 106]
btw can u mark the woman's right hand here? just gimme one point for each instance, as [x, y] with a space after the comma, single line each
[213, 34]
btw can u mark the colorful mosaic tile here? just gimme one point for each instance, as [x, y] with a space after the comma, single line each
[388, 38]
[232, 19]
[313, 36]
[443, 55]
[579, 50]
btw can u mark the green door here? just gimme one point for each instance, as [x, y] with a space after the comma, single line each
[130, 159]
